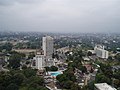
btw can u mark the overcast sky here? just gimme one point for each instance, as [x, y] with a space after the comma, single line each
[60, 15]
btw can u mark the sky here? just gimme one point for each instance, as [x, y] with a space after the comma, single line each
[60, 15]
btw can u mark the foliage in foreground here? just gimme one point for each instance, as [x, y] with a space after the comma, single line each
[21, 80]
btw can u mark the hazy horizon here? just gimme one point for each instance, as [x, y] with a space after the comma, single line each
[60, 16]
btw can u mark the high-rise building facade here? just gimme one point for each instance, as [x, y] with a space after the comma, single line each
[101, 52]
[40, 61]
[47, 45]
[43, 57]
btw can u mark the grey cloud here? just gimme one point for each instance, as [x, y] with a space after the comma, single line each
[60, 15]
[6, 2]
[11, 2]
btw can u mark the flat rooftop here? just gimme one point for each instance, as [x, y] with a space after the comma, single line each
[104, 86]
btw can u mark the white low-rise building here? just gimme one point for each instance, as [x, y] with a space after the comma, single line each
[103, 86]
[101, 52]
[41, 61]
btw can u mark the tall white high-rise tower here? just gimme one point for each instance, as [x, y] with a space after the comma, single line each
[43, 57]
[47, 45]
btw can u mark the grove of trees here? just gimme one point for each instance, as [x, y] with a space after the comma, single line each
[21, 80]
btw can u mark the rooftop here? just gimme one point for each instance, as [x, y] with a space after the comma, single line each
[104, 86]
[116, 67]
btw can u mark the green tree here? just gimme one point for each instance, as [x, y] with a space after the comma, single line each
[75, 87]
[72, 64]
[53, 68]
[36, 83]
[5, 79]
[67, 84]
[117, 82]
[38, 80]
[83, 69]
[14, 61]
[62, 77]
[27, 62]
[117, 57]
[70, 74]
[47, 69]
[18, 78]
[24, 67]
[89, 53]
[7, 46]
[110, 58]
[29, 72]
[101, 78]
[12, 86]
[31, 55]
[2, 87]
[91, 85]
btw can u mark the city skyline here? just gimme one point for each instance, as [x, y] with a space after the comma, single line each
[60, 15]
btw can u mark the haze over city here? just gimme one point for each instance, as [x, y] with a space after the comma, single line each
[59, 45]
[60, 15]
